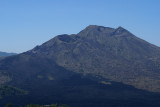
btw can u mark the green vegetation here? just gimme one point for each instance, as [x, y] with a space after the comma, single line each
[7, 90]
[37, 105]
[4, 77]
[9, 105]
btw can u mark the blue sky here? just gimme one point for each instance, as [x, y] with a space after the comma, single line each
[27, 23]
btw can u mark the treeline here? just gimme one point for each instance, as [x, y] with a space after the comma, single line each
[37, 105]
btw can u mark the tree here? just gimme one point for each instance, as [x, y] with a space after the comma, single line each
[54, 105]
[33, 105]
[63, 105]
[9, 105]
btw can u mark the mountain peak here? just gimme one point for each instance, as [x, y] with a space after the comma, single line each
[95, 29]
[122, 31]
[120, 28]
[105, 30]
[92, 26]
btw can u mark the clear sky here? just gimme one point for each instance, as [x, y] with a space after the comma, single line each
[27, 23]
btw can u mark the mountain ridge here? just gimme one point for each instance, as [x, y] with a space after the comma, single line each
[118, 44]
[95, 57]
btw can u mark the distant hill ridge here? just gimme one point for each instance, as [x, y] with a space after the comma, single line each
[6, 54]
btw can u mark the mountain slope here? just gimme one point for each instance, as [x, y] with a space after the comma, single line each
[99, 66]
[46, 82]
[115, 54]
